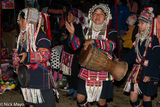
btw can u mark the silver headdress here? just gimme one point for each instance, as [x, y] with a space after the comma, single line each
[104, 8]
[98, 27]
[33, 19]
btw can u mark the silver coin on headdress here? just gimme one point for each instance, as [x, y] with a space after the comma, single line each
[33, 20]
[103, 7]
[31, 15]
[98, 27]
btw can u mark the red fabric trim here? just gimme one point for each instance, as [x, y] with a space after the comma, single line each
[49, 28]
[108, 28]
[93, 75]
[73, 45]
[47, 25]
[134, 71]
[94, 83]
[85, 31]
[99, 42]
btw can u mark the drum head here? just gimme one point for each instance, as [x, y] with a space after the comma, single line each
[23, 76]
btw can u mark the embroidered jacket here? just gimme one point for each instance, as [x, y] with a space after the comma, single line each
[37, 62]
[106, 45]
[147, 68]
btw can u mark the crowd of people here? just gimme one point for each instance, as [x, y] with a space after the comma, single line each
[127, 32]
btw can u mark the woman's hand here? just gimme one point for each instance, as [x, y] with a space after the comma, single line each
[23, 55]
[146, 79]
[70, 29]
[87, 43]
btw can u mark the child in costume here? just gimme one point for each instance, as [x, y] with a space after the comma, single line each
[142, 79]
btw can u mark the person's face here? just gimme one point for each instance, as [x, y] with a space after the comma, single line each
[98, 16]
[142, 25]
[22, 24]
[71, 18]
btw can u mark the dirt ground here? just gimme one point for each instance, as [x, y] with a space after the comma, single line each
[14, 99]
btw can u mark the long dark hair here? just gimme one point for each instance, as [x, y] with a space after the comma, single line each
[22, 15]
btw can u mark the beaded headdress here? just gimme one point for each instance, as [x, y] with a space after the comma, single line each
[33, 19]
[147, 15]
[103, 7]
[102, 28]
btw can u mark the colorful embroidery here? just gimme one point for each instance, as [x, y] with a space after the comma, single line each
[95, 75]
[66, 63]
[107, 46]
[15, 59]
[94, 82]
[134, 77]
[75, 42]
[42, 55]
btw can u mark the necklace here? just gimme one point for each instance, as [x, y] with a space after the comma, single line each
[97, 27]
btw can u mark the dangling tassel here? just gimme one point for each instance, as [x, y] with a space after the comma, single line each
[93, 93]
[127, 87]
[32, 95]
[137, 89]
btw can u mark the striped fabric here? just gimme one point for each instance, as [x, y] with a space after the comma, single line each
[134, 76]
[94, 83]
[107, 46]
[86, 74]
[75, 42]
[42, 55]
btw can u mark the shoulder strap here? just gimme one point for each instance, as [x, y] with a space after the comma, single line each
[151, 37]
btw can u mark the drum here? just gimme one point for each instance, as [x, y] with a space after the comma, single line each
[98, 60]
[23, 76]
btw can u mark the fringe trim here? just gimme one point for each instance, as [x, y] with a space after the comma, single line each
[127, 88]
[32, 95]
[137, 89]
[66, 70]
[93, 93]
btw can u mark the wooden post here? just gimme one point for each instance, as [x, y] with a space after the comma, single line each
[0, 30]
[116, 15]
